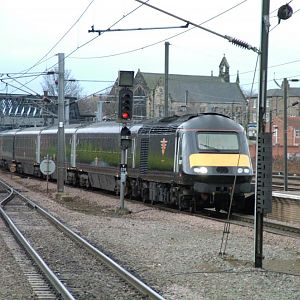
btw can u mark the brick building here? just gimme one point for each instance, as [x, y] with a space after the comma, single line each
[293, 137]
[274, 105]
[274, 120]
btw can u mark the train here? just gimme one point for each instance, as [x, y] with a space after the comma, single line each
[191, 161]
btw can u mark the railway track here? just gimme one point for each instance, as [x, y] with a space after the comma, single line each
[293, 182]
[271, 223]
[73, 267]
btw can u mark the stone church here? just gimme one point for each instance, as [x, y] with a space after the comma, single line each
[187, 94]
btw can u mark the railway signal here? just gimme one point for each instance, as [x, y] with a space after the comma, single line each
[125, 104]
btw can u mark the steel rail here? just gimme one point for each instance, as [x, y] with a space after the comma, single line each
[268, 224]
[56, 283]
[127, 276]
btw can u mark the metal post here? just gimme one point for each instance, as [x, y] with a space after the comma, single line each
[123, 173]
[125, 144]
[259, 213]
[47, 176]
[100, 110]
[271, 121]
[285, 128]
[167, 79]
[61, 131]
[67, 111]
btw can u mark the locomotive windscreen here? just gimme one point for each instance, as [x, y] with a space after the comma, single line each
[217, 141]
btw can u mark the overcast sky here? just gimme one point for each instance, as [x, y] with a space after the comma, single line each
[33, 32]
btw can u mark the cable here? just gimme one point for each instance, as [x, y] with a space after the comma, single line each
[72, 26]
[21, 83]
[24, 76]
[89, 41]
[270, 80]
[163, 40]
[279, 19]
[115, 23]
[16, 88]
[41, 60]
[251, 91]
[89, 80]
[86, 97]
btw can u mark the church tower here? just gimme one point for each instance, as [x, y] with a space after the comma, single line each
[224, 69]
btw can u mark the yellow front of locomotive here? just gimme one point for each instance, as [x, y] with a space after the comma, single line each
[217, 159]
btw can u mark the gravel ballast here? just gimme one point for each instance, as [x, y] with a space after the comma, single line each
[177, 254]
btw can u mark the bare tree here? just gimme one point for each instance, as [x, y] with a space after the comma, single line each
[249, 93]
[72, 87]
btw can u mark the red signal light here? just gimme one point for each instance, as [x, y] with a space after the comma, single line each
[125, 115]
[125, 104]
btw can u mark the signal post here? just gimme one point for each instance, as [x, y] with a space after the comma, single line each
[125, 111]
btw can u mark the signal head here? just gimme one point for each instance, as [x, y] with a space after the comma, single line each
[125, 104]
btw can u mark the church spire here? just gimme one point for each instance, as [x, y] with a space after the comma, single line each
[224, 69]
[237, 77]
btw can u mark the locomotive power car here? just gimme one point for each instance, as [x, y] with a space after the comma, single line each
[191, 161]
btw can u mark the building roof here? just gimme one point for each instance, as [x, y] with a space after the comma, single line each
[208, 89]
[292, 92]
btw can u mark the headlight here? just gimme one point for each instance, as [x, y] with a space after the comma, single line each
[243, 170]
[201, 170]
[240, 170]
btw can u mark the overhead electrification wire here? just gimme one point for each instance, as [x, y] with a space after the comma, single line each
[102, 90]
[8, 75]
[115, 23]
[89, 80]
[64, 35]
[276, 9]
[273, 66]
[254, 74]
[21, 84]
[17, 88]
[277, 15]
[163, 40]
[232, 40]
[89, 41]
[84, 44]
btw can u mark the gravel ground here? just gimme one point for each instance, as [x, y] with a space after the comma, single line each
[13, 284]
[175, 253]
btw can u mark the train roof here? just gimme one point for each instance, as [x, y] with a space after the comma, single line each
[108, 127]
[9, 132]
[212, 121]
[30, 130]
[203, 121]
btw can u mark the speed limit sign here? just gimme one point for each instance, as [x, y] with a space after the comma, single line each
[47, 166]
